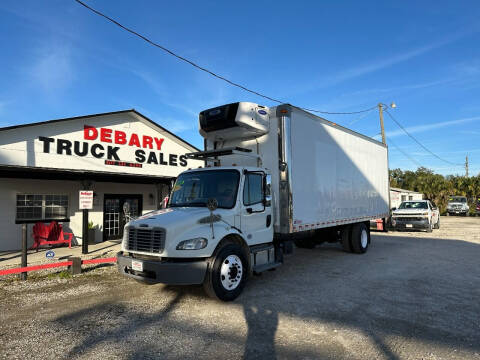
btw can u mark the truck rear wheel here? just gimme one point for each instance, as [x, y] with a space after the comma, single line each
[227, 273]
[345, 239]
[360, 238]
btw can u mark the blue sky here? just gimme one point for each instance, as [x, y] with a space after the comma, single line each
[59, 60]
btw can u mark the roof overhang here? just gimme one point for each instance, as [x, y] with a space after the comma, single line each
[26, 172]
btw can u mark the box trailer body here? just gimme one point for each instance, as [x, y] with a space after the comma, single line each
[323, 174]
[272, 177]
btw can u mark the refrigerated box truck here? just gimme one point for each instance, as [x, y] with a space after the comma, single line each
[272, 177]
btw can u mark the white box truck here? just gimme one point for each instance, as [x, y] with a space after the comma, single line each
[272, 177]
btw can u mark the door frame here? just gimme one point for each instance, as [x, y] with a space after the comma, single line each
[122, 198]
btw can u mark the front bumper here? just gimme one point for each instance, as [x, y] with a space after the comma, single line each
[456, 211]
[166, 272]
[410, 224]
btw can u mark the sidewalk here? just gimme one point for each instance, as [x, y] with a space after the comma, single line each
[12, 259]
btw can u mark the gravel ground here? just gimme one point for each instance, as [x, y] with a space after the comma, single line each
[412, 296]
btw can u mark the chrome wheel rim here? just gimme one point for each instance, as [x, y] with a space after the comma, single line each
[364, 238]
[231, 272]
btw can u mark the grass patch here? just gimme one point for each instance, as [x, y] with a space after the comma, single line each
[62, 275]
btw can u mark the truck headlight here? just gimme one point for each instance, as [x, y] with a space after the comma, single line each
[192, 244]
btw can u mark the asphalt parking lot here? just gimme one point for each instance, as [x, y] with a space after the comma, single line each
[411, 296]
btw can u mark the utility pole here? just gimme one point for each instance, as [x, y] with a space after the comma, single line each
[380, 110]
[466, 165]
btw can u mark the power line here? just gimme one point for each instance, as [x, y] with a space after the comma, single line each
[419, 143]
[172, 53]
[338, 113]
[390, 141]
[360, 117]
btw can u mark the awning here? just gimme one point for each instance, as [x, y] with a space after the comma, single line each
[27, 172]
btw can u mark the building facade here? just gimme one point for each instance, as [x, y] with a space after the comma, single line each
[398, 195]
[123, 156]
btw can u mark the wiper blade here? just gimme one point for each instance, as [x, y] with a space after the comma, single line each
[193, 203]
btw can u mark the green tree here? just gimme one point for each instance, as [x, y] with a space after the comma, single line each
[436, 187]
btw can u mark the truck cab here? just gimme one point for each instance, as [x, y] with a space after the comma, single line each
[208, 206]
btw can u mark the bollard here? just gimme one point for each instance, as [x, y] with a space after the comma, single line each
[23, 275]
[76, 267]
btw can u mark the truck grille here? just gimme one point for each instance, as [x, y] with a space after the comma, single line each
[146, 240]
[407, 219]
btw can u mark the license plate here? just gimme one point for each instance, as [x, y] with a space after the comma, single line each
[409, 225]
[137, 265]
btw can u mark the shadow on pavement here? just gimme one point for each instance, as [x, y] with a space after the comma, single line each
[404, 293]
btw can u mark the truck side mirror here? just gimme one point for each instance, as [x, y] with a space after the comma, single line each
[393, 209]
[267, 190]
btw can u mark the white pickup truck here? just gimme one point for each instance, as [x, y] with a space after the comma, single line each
[458, 205]
[416, 214]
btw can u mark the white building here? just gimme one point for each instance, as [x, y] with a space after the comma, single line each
[398, 195]
[122, 156]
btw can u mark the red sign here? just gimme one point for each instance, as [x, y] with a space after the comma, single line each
[85, 200]
[121, 138]
[122, 163]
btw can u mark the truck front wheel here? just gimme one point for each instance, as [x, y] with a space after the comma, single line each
[227, 273]
[360, 238]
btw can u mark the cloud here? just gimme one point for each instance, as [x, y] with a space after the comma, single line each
[176, 126]
[52, 69]
[161, 90]
[423, 128]
[172, 124]
[383, 63]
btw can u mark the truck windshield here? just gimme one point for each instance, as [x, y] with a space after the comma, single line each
[413, 205]
[195, 188]
[458, 199]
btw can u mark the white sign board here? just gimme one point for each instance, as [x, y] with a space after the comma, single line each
[85, 199]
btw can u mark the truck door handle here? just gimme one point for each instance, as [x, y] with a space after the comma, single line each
[269, 220]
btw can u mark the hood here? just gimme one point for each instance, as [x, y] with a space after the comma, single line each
[170, 216]
[409, 211]
[454, 203]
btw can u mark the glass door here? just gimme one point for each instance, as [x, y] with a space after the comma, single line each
[114, 217]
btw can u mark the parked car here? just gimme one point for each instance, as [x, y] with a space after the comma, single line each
[477, 207]
[458, 205]
[416, 214]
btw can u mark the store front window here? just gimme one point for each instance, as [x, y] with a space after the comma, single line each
[32, 207]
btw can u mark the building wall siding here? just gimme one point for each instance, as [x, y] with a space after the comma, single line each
[11, 233]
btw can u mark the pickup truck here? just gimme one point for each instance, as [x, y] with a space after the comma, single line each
[458, 205]
[418, 214]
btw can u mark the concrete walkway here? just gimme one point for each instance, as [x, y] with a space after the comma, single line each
[11, 259]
